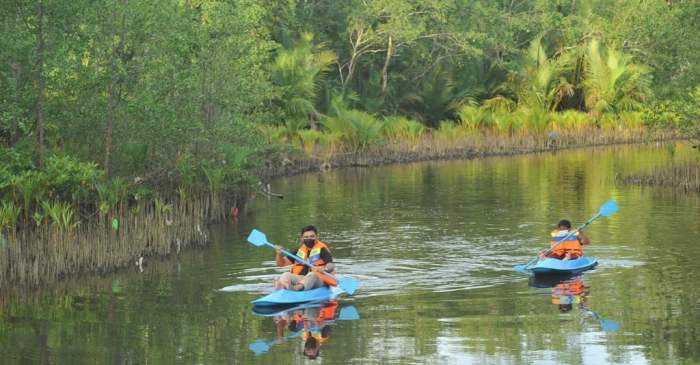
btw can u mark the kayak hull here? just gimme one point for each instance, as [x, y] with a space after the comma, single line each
[282, 309]
[552, 266]
[286, 297]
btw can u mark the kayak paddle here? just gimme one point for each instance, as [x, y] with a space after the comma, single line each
[349, 285]
[607, 325]
[606, 210]
[260, 347]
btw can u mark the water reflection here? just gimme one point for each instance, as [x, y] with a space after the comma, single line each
[484, 216]
[311, 322]
[569, 292]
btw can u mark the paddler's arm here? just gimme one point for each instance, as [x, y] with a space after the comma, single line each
[327, 257]
[281, 259]
[583, 238]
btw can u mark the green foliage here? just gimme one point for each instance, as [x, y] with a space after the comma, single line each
[110, 194]
[537, 82]
[297, 72]
[308, 139]
[507, 122]
[436, 99]
[448, 131]
[38, 218]
[537, 120]
[63, 179]
[70, 180]
[60, 214]
[215, 178]
[397, 129]
[668, 114]
[356, 129]
[631, 120]
[162, 207]
[9, 213]
[195, 95]
[572, 120]
[662, 35]
[474, 117]
[613, 83]
[31, 187]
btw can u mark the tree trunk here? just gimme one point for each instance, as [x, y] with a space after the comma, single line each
[41, 86]
[113, 89]
[385, 69]
[110, 124]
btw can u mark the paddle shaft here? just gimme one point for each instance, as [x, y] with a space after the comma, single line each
[299, 260]
[561, 240]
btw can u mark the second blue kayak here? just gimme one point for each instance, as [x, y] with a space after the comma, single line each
[551, 266]
[280, 297]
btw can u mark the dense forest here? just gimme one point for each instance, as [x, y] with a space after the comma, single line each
[103, 101]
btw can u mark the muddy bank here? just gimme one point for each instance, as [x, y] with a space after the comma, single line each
[465, 148]
[136, 230]
[685, 176]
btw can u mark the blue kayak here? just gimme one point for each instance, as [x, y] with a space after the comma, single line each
[282, 309]
[281, 297]
[551, 266]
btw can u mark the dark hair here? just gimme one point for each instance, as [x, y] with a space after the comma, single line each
[564, 223]
[311, 348]
[565, 308]
[309, 228]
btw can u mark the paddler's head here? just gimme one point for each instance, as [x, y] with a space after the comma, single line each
[564, 224]
[308, 236]
[312, 347]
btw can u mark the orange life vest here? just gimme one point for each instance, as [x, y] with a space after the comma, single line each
[313, 328]
[569, 292]
[313, 257]
[328, 311]
[571, 244]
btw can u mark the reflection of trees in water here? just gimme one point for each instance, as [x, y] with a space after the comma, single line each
[156, 319]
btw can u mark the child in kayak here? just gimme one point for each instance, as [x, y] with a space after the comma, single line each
[566, 245]
[312, 251]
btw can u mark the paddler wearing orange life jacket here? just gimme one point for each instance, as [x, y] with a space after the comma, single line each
[569, 292]
[572, 246]
[314, 252]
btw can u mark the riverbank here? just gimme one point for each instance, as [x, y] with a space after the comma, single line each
[49, 250]
[684, 176]
[134, 231]
[431, 147]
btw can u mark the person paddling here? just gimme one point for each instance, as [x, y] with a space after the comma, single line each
[300, 277]
[571, 247]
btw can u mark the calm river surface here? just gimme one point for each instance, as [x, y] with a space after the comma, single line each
[433, 245]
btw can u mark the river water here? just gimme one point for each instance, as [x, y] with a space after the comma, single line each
[433, 245]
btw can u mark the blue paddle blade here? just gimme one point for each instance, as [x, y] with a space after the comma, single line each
[257, 238]
[609, 208]
[259, 347]
[348, 313]
[608, 325]
[349, 285]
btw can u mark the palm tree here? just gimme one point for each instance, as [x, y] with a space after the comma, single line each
[612, 82]
[539, 83]
[436, 98]
[297, 72]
